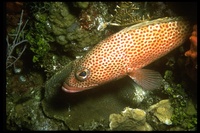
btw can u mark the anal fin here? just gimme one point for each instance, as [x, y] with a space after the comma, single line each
[147, 79]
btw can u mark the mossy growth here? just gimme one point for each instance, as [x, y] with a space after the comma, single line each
[181, 104]
[38, 37]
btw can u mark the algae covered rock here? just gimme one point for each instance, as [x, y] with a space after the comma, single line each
[129, 119]
[163, 111]
[82, 5]
[23, 105]
[60, 16]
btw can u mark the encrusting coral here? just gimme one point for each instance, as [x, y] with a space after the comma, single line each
[192, 52]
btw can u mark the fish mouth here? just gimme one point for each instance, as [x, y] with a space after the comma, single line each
[70, 89]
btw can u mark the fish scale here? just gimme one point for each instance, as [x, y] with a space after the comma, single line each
[126, 53]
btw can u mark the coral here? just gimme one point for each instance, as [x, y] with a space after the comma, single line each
[93, 126]
[128, 13]
[94, 16]
[56, 30]
[192, 52]
[67, 31]
[51, 63]
[139, 94]
[181, 104]
[24, 112]
[50, 25]
[163, 111]
[129, 119]
[82, 5]
[34, 7]
[38, 37]
[184, 119]
[60, 17]
[79, 46]
[18, 39]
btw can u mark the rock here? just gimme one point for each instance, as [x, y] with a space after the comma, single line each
[129, 120]
[163, 111]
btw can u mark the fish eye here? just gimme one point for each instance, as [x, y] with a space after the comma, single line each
[82, 74]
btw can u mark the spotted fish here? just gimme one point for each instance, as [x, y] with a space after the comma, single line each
[126, 53]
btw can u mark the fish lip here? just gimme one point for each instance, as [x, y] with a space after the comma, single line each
[70, 89]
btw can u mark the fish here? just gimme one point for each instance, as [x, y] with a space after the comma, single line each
[126, 52]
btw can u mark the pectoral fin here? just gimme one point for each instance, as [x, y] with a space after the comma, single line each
[147, 79]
